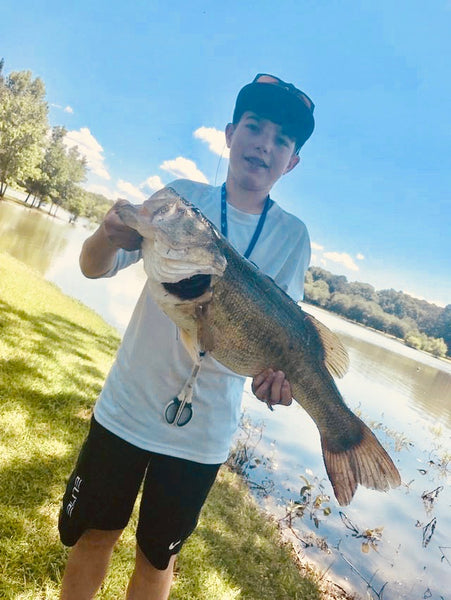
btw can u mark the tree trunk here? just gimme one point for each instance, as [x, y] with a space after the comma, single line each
[3, 188]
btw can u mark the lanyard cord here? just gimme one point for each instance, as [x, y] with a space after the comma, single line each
[258, 229]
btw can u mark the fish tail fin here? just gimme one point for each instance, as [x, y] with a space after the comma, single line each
[366, 463]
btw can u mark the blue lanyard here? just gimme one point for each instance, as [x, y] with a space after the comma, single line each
[258, 229]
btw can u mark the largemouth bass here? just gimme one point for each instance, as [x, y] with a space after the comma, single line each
[225, 306]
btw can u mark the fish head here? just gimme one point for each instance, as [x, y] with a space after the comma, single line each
[178, 241]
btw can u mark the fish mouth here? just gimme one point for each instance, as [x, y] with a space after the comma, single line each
[254, 161]
[189, 288]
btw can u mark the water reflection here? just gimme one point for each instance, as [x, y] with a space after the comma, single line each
[31, 236]
[423, 379]
[52, 246]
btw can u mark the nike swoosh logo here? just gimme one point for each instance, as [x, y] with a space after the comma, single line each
[172, 545]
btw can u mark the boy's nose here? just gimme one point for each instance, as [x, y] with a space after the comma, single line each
[264, 142]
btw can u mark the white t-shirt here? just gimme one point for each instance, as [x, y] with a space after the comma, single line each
[152, 364]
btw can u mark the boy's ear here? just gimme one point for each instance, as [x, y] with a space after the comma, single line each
[230, 128]
[294, 160]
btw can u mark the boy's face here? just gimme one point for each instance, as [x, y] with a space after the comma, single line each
[260, 152]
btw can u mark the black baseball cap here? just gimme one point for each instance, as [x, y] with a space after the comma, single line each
[278, 101]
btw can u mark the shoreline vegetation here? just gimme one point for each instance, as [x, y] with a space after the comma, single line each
[419, 324]
[54, 354]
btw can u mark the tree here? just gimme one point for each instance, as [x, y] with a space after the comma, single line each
[443, 326]
[74, 201]
[365, 290]
[51, 172]
[421, 341]
[96, 207]
[23, 126]
[58, 175]
[68, 193]
[317, 292]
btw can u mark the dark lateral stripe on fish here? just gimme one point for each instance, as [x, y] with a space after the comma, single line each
[188, 289]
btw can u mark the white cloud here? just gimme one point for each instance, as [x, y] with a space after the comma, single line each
[360, 256]
[342, 258]
[184, 168]
[128, 189]
[98, 188]
[68, 108]
[316, 246]
[90, 148]
[152, 184]
[215, 139]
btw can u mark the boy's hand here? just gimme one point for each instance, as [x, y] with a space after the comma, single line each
[271, 387]
[118, 234]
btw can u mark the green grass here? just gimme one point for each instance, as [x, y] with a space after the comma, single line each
[54, 355]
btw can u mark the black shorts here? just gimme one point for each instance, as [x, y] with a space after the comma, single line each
[102, 490]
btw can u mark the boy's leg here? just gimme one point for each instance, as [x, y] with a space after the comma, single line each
[97, 504]
[87, 564]
[148, 582]
[173, 495]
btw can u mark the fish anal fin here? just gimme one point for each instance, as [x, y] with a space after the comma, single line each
[336, 359]
[365, 463]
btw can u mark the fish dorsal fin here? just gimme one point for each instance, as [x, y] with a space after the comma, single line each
[336, 359]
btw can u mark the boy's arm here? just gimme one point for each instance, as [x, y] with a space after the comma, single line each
[98, 254]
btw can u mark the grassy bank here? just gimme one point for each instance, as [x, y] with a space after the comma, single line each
[54, 355]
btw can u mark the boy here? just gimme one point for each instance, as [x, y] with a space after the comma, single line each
[136, 434]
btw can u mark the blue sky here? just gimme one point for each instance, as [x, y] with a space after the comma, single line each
[146, 88]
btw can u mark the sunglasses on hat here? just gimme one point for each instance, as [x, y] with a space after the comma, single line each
[289, 87]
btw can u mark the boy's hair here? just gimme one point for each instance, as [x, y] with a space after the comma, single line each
[280, 102]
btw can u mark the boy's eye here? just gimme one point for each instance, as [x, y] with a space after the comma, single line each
[252, 126]
[282, 141]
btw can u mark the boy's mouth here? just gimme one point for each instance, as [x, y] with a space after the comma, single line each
[254, 161]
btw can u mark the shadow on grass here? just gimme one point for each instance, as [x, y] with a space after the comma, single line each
[31, 489]
[63, 333]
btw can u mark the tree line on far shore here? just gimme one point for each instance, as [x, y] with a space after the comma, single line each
[34, 156]
[420, 324]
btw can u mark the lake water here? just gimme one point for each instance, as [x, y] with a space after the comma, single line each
[392, 546]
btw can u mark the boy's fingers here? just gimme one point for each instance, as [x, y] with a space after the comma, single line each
[262, 382]
[276, 387]
[286, 394]
[272, 387]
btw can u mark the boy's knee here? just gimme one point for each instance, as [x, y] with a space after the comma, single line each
[146, 569]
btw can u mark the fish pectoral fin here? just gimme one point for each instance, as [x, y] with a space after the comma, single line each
[336, 359]
[204, 332]
[365, 462]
